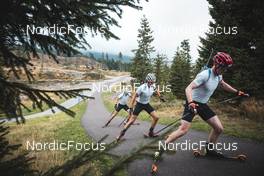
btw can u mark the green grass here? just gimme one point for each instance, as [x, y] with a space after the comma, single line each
[238, 127]
[62, 128]
[32, 110]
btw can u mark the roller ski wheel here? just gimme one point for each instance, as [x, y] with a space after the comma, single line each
[197, 153]
[154, 169]
[240, 157]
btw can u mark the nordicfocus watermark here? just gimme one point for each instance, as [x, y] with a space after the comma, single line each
[120, 87]
[60, 30]
[68, 145]
[69, 28]
[188, 145]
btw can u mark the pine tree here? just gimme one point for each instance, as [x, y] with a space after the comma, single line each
[120, 57]
[141, 65]
[160, 69]
[245, 45]
[166, 73]
[106, 56]
[137, 68]
[15, 16]
[181, 69]
[102, 56]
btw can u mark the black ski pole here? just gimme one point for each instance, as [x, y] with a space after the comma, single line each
[130, 113]
[210, 56]
[208, 60]
[160, 130]
[123, 120]
[233, 98]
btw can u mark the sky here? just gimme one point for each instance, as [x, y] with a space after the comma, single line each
[171, 22]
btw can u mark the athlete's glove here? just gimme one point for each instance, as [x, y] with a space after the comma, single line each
[242, 94]
[193, 106]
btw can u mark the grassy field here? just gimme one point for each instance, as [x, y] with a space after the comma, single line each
[28, 104]
[233, 126]
[61, 128]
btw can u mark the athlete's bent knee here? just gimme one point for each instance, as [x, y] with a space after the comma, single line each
[183, 129]
[219, 129]
[155, 118]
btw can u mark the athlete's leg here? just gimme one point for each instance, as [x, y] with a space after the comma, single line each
[155, 119]
[182, 130]
[111, 118]
[152, 113]
[137, 110]
[187, 118]
[132, 119]
[154, 122]
[217, 126]
[130, 122]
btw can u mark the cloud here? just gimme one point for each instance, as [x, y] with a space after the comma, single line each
[171, 21]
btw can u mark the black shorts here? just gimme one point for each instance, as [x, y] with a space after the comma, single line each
[203, 110]
[120, 106]
[139, 107]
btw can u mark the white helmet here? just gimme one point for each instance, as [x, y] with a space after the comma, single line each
[151, 77]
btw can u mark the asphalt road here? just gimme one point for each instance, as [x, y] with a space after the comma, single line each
[182, 163]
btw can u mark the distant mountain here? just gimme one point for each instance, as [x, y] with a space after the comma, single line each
[98, 55]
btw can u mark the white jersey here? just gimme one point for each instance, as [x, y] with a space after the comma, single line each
[144, 93]
[207, 81]
[123, 98]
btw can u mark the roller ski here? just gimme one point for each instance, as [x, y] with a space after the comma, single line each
[213, 153]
